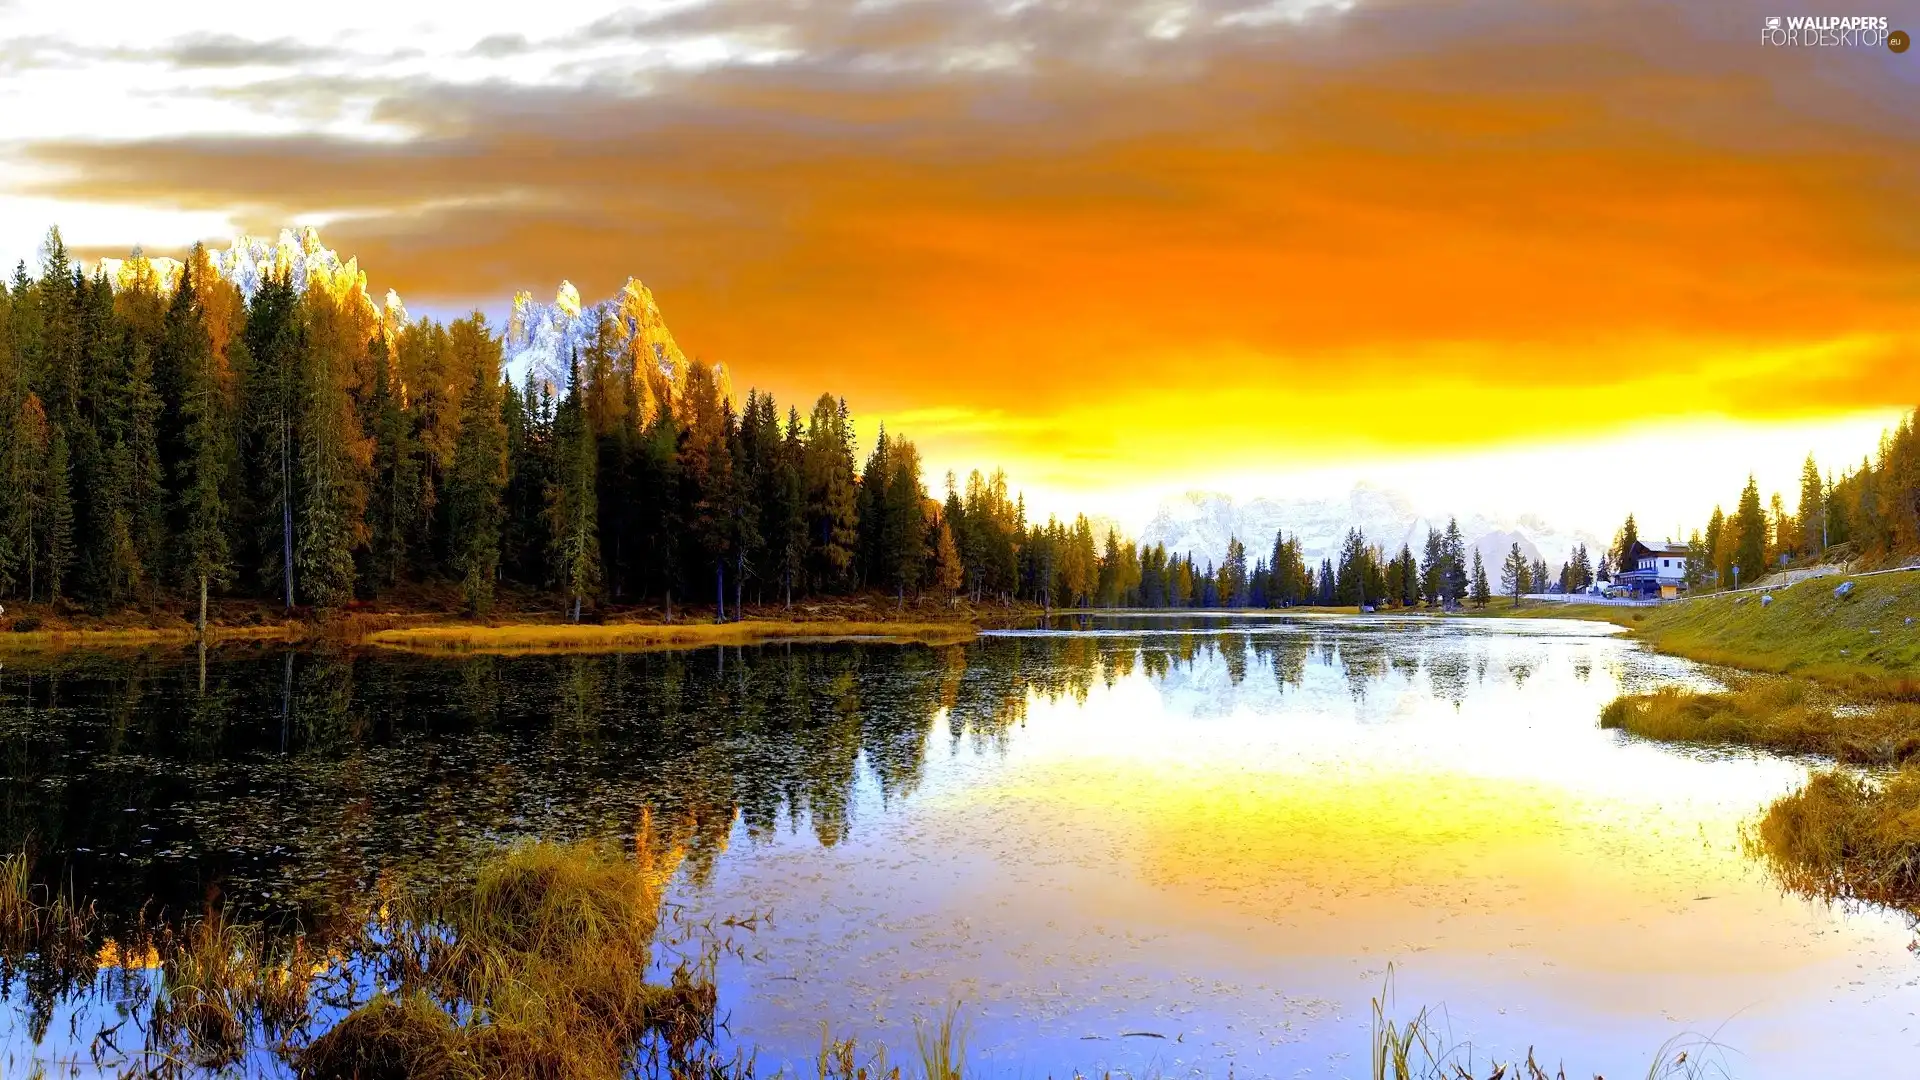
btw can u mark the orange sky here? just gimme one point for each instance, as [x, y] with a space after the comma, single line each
[1128, 245]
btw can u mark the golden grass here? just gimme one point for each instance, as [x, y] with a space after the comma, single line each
[624, 637]
[536, 970]
[136, 637]
[1778, 714]
[222, 988]
[1848, 836]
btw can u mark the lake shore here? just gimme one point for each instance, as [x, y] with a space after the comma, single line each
[1816, 670]
[424, 628]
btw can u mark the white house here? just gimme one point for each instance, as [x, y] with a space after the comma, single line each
[1658, 569]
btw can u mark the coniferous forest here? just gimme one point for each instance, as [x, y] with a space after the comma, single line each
[170, 442]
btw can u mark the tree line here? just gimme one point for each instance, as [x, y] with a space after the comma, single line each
[169, 439]
[1870, 511]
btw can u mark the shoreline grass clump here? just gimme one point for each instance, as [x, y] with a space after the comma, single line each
[1847, 836]
[536, 970]
[518, 638]
[1777, 714]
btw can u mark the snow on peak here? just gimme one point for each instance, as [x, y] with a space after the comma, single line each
[247, 261]
[545, 339]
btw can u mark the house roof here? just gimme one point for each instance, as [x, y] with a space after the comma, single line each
[1658, 547]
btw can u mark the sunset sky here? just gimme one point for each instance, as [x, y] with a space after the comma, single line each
[1505, 255]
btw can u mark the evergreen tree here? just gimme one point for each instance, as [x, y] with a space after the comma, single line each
[1350, 588]
[827, 472]
[1623, 541]
[28, 497]
[1514, 573]
[331, 504]
[203, 474]
[1718, 552]
[706, 483]
[573, 516]
[394, 503]
[477, 485]
[270, 387]
[59, 518]
[1750, 552]
[1813, 508]
[903, 501]
[1481, 592]
[1456, 563]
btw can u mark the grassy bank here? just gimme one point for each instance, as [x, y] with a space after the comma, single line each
[1816, 673]
[1867, 643]
[430, 622]
[537, 638]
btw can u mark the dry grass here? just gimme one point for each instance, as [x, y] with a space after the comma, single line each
[224, 989]
[620, 637]
[1788, 715]
[537, 970]
[1848, 836]
[55, 640]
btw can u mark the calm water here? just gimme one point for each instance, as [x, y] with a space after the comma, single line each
[1167, 846]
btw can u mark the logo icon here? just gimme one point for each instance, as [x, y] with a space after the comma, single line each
[1898, 41]
[1773, 22]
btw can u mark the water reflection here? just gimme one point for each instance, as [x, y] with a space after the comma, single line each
[1218, 830]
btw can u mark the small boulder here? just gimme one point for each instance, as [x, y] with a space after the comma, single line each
[1843, 590]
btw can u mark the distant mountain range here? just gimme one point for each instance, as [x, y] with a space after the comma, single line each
[1201, 523]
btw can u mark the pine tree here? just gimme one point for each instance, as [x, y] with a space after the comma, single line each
[572, 513]
[788, 511]
[398, 462]
[827, 472]
[1719, 553]
[203, 473]
[268, 375]
[1234, 579]
[1750, 552]
[1813, 508]
[1456, 563]
[479, 477]
[706, 482]
[331, 501]
[1514, 572]
[902, 502]
[59, 517]
[1481, 592]
[26, 506]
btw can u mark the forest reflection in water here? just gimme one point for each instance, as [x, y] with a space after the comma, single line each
[1085, 830]
[282, 783]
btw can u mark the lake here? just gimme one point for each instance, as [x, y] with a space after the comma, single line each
[1153, 845]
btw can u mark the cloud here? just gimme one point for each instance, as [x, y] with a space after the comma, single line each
[1416, 224]
[228, 51]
